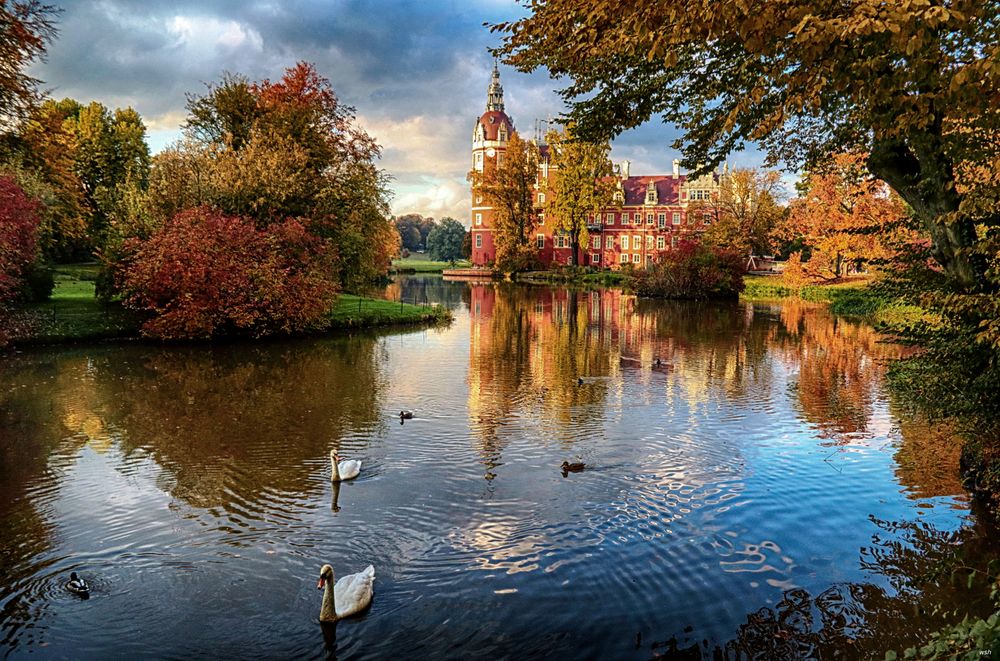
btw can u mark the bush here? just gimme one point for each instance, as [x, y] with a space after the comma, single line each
[19, 221]
[205, 274]
[692, 270]
[37, 283]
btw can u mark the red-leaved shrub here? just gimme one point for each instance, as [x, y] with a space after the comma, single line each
[693, 270]
[19, 220]
[205, 274]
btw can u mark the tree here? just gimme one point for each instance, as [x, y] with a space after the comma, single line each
[912, 84]
[410, 233]
[444, 243]
[579, 186]
[272, 151]
[224, 116]
[509, 188]
[19, 221]
[205, 274]
[745, 212]
[844, 216]
[26, 28]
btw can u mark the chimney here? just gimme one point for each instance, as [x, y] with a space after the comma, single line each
[625, 169]
[677, 169]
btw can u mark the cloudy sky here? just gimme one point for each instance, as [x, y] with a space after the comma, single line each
[415, 70]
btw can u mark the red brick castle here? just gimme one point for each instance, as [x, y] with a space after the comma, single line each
[650, 214]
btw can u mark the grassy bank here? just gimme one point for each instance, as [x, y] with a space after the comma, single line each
[423, 264]
[355, 311]
[575, 275]
[74, 314]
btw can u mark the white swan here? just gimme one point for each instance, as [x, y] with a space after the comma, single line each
[343, 470]
[351, 594]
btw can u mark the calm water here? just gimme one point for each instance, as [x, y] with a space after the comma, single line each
[758, 498]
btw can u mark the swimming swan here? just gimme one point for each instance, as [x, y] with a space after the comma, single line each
[351, 594]
[343, 470]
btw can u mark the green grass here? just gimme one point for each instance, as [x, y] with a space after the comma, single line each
[771, 287]
[73, 313]
[418, 263]
[355, 311]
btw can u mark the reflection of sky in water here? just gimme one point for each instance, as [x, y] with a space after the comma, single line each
[196, 479]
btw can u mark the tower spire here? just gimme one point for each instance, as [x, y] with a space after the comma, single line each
[494, 96]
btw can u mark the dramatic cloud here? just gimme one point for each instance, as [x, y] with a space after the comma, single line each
[416, 72]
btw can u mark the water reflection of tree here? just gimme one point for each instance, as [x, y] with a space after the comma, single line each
[229, 422]
[840, 366]
[925, 570]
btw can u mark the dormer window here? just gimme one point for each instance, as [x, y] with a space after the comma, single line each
[651, 193]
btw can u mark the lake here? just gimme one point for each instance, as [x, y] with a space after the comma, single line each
[755, 494]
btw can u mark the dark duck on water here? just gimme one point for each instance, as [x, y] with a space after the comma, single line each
[77, 585]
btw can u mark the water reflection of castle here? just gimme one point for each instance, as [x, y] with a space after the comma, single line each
[530, 340]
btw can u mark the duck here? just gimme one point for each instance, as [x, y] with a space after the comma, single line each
[343, 470]
[406, 415]
[661, 365]
[575, 467]
[579, 380]
[77, 585]
[351, 594]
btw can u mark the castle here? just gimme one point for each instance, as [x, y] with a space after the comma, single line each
[650, 215]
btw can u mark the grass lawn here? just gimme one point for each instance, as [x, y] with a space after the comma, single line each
[422, 263]
[355, 311]
[73, 313]
[774, 286]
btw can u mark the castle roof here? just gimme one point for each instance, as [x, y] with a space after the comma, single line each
[667, 189]
[491, 120]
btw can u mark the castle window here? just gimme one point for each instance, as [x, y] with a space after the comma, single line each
[636, 242]
[541, 198]
[624, 243]
[595, 258]
[479, 240]
[623, 258]
[677, 218]
[707, 218]
[479, 219]
[540, 241]
[673, 241]
[636, 258]
[596, 242]
[637, 218]
[610, 218]
[661, 220]
[661, 242]
[609, 242]
[649, 219]
[649, 242]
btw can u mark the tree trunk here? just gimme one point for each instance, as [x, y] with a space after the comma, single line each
[924, 177]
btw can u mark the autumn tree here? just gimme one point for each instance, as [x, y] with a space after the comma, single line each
[508, 187]
[26, 28]
[274, 150]
[843, 216]
[914, 84]
[19, 221]
[579, 186]
[745, 212]
[444, 243]
[205, 274]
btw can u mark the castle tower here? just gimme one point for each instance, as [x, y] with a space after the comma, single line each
[489, 142]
